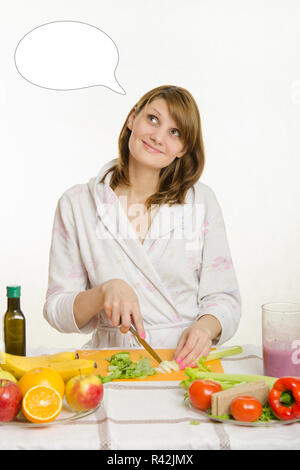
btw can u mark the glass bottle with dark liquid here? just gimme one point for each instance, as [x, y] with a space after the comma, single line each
[14, 323]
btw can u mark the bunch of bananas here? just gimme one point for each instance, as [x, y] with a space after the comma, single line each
[66, 363]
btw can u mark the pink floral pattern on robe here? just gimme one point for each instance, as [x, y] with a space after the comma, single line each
[222, 264]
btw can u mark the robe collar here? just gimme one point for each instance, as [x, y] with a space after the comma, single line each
[167, 218]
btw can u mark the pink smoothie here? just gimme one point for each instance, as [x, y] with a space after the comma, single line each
[278, 363]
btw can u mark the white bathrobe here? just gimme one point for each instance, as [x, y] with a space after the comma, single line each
[183, 269]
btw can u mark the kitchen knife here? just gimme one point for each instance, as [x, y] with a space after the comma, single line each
[145, 345]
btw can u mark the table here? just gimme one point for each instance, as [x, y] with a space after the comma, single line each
[152, 415]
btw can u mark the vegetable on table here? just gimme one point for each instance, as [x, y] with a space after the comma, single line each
[223, 353]
[267, 414]
[221, 401]
[200, 393]
[284, 398]
[226, 380]
[167, 367]
[122, 367]
[246, 408]
[202, 366]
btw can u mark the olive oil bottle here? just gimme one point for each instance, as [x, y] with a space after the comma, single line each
[14, 323]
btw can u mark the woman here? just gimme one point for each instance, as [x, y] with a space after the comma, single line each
[144, 241]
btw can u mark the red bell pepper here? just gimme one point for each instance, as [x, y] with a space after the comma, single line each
[284, 398]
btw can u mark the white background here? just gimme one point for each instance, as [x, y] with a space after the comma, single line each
[241, 62]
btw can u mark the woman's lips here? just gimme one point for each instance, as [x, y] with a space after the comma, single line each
[150, 149]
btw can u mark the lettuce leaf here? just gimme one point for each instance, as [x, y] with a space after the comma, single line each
[122, 367]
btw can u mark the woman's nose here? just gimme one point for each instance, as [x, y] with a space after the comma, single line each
[157, 137]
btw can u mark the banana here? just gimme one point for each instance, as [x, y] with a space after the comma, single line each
[63, 356]
[19, 365]
[8, 376]
[69, 369]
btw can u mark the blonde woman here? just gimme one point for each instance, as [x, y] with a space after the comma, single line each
[144, 241]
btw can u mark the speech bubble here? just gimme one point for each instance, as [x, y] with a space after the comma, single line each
[68, 55]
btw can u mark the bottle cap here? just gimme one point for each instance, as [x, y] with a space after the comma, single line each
[13, 291]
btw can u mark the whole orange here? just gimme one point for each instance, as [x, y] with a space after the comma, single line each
[42, 376]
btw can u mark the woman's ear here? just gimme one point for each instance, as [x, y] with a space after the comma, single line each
[182, 153]
[131, 119]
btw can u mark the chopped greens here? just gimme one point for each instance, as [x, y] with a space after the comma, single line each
[167, 367]
[221, 416]
[185, 383]
[202, 366]
[122, 367]
[267, 414]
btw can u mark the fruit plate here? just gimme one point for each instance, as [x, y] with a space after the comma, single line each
[66, 416]
[234, 422]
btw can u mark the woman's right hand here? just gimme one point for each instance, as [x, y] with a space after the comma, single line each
[121, 305]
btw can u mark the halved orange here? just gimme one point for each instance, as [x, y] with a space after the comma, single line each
[41, 404]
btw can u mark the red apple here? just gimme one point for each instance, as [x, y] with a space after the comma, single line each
[10, 400]
[84, 392]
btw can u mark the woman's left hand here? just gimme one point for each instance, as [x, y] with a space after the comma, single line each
[194, 342]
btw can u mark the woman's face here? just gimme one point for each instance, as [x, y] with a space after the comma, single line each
[155, 138]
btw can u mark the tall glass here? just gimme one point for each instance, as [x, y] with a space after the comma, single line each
[281, 339]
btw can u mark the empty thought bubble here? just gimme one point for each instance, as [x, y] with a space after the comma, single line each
[68, 55]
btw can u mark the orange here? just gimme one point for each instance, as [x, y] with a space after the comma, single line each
[41, 404]
[42, 376]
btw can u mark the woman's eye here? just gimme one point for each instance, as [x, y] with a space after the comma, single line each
[176, 132]
[151, 117]
[155, 120]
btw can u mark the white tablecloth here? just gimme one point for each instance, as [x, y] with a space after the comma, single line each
[152, 415]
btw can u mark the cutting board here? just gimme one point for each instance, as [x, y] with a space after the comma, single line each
[99, 356]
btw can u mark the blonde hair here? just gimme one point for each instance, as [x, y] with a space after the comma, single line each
[178, 177]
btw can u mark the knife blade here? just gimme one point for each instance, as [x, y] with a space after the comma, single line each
[145, 345]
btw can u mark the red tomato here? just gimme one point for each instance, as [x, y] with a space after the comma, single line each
[200, 392]
[246, 408]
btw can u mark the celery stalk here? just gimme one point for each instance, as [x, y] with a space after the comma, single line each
[224, 353]
[226, 380]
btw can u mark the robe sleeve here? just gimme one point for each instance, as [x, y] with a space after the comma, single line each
[67, 275]
[218, 293]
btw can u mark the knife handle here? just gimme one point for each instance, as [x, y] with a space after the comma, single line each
[145, 345]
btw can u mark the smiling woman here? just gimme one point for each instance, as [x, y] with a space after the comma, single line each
[150, 240]
[166, 123]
